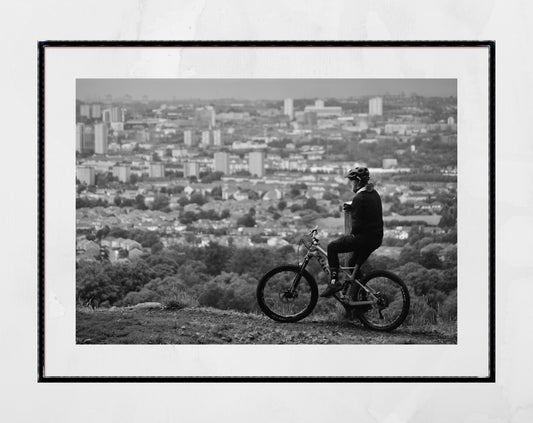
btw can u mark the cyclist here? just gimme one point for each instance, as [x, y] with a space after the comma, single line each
[367, 227]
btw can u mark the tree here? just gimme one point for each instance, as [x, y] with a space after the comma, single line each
[409, 254]
[294, 192]
[161, 202]
[311, 204]
[246, 220]
[193, 273]
[211, 295]
[212, 176]
[282, 205]
[450, 256]
[256, 261]
[139, 202]
[329, 196]
[215, 257]
[258, 239]
[183, 201]
[252, 195]
[295, 207]
[162, 270]
[377, 262]
[188, 217]
[176, 189]
[118, 233]
[197, 198]
[145, 238]
[217, 192]
[225, 214]
[430, 260]
[102, 180]
[449, 218]
[157, 247]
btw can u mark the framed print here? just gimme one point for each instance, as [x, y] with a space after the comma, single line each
[266, 211]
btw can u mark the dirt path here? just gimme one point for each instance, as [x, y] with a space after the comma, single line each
[209, 326]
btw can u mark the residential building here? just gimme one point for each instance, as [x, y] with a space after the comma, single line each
[205, 116]
[117, 126]
[375, 106]
[390, 163]
[187, 137]
[256, 163]
[106, 115]
[361, 121]
[288, 108]
[118, 114]
[85, 110]
[222, 162]
[96, 111]
[217, 139]
[273, 194]
[157, 170]
[100, 138]
[179, 152]
[87, 145]
[79, 137]
[324, 111]
[122, 172]
[85, 174]
[191, 169]
[206, 139]
[396, 128]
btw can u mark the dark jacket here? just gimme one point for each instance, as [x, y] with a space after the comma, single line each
[366, 211]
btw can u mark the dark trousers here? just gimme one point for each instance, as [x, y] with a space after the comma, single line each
[361, 246]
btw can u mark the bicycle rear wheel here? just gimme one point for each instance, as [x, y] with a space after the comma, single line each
[279, 301]
[391, 301]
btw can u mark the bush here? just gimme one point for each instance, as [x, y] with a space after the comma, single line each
[247, 220]
[142, 296]
[230, 291]
[180, 301]
[448, 309]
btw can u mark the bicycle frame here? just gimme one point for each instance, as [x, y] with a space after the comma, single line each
[317, 252]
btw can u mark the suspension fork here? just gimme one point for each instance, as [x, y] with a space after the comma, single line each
[297, 278]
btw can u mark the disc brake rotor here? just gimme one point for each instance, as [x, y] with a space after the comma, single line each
[288, 296]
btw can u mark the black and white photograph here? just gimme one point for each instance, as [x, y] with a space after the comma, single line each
[239, 218]
[266, 211]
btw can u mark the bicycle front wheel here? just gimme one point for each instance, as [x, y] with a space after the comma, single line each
[286, 295]
[390, 301]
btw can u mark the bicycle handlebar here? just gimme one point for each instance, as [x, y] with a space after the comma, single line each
[314, 231]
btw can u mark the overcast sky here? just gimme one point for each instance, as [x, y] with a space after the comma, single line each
[256, 89]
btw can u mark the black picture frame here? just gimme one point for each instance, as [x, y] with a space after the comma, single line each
[42, 378]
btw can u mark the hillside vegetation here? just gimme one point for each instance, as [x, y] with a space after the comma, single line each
[212, 326]
[226, 278]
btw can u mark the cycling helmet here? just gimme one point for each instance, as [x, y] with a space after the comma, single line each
[359, 173]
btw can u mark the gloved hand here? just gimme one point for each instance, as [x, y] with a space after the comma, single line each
[346, 206]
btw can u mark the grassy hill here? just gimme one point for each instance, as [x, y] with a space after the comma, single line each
[212, 326]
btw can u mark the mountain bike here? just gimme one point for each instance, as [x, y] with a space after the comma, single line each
[289, 293]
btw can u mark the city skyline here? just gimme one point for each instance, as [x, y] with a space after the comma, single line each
[258, 89]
